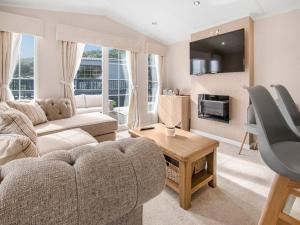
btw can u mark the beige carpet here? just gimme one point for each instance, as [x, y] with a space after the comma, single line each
[243, 184]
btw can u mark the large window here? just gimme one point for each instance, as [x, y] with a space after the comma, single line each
[118, 91]
[152, 82]
[89, 76]
[22, 84]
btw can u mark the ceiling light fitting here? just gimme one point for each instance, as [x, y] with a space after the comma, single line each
[196, 3]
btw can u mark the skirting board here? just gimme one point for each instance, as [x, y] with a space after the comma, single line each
[220, 139]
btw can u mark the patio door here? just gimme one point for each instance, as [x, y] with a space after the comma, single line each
[118, 86]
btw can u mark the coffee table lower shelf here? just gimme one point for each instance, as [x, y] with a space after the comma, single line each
[198, 181]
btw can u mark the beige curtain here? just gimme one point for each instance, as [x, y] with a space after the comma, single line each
[71, 57]
[133, 110]
[10, 44]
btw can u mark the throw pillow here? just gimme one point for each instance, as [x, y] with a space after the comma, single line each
[3, 106]
[31, 109]
[13, 121]
[14, 146]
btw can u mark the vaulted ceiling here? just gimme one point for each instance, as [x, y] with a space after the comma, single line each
[167, 21]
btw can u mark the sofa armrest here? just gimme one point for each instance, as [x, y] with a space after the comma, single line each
[87, 185]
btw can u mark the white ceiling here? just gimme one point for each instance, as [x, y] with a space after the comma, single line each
[176, 19]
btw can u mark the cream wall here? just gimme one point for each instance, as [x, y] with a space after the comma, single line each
[277, 52]
[276, 60]
[178, 64]
[227, 84]
[48, 69]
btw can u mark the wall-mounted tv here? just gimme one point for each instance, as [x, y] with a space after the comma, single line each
[223, 53]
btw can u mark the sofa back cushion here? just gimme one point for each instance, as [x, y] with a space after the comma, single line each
[14, 146]
[93, 100]
[80, 101]
[13, 121]
[31, 109]
[56, 109]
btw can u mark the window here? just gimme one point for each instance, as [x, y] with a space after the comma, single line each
[152, 82]
[22, 83]
[88, 79]
[118, 91]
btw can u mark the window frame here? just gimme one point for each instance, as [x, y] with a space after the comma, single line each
[34, 78]
[119, 62]
[151, 105]
[100, 78]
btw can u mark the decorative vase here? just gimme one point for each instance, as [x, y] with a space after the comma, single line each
[170, 131]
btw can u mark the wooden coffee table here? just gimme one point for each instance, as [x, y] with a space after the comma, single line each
[185, 147]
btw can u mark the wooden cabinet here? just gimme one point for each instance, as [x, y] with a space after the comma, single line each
[174, 110]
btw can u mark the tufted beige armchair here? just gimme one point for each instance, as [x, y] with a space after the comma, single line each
[105, 184]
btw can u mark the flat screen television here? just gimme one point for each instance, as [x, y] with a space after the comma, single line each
[223, 53]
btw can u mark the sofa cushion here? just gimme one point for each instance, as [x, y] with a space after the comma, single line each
[14, 146]
[13, 121]
[89, 110]
[93, 100]
[56, 109]
[80, 101]
[31, 109]
[94, 123]
[64, 140]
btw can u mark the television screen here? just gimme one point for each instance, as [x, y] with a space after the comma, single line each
[219, 54]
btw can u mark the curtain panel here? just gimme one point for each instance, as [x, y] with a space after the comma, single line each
[133, 110]
[71, 53]
[10, 44]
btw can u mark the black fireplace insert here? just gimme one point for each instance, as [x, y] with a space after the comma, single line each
[213, 107]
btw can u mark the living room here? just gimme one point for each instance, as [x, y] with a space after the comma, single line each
[149, 112]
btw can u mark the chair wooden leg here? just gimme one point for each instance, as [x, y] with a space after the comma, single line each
[279, 192]
[245, 137]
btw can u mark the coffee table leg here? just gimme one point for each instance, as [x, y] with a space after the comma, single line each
[185, 184]
[212, 167]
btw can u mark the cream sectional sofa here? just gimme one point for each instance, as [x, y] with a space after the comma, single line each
[63, 131]
[58, 111]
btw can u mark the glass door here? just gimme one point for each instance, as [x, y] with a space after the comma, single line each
[118, 89]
